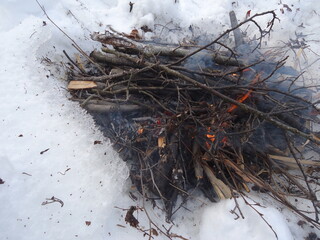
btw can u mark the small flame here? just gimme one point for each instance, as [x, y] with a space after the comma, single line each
[140, 131]
[244, 97]
[210, 136]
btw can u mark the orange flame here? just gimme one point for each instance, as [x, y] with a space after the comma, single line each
[211, 137]
[140, 131]
[244, 97]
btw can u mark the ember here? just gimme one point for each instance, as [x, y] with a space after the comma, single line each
[220, 127]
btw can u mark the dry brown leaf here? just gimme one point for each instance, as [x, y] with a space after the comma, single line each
[154, 232]
[130, 218]
[134, 35]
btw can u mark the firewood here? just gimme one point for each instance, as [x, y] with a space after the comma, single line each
[222, 190]
[291, 163]
[110, 108]
[75, 85]
[219, 124]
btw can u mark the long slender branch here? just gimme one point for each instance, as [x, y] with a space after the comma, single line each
[73, 41]
[225, 33]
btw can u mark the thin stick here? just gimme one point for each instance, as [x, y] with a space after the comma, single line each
[73, 42]
[227, 32]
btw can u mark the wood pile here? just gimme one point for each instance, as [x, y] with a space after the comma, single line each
[210, 117]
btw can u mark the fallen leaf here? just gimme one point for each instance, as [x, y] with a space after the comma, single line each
[287, 7]
[97, 142]
[154, 232]
[301, 223]
[88, 223]
[130, 218]
[134, 35]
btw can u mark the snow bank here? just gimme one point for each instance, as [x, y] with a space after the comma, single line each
[35, 116]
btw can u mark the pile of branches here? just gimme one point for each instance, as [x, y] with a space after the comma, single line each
[221, 119]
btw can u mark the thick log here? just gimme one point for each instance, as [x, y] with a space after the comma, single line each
[179, 52]
[110, 59]
[151, 49]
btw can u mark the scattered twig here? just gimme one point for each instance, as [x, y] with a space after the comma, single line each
[27, 174]
[42, 152]
[131, 6]
[52, 200]
[64, 171]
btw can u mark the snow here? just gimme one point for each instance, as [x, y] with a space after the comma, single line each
[36, 108]
[90, 179]
[250, 227]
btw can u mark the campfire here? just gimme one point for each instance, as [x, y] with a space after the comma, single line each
[225, 120]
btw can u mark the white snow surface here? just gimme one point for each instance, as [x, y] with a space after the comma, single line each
[91, 180]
